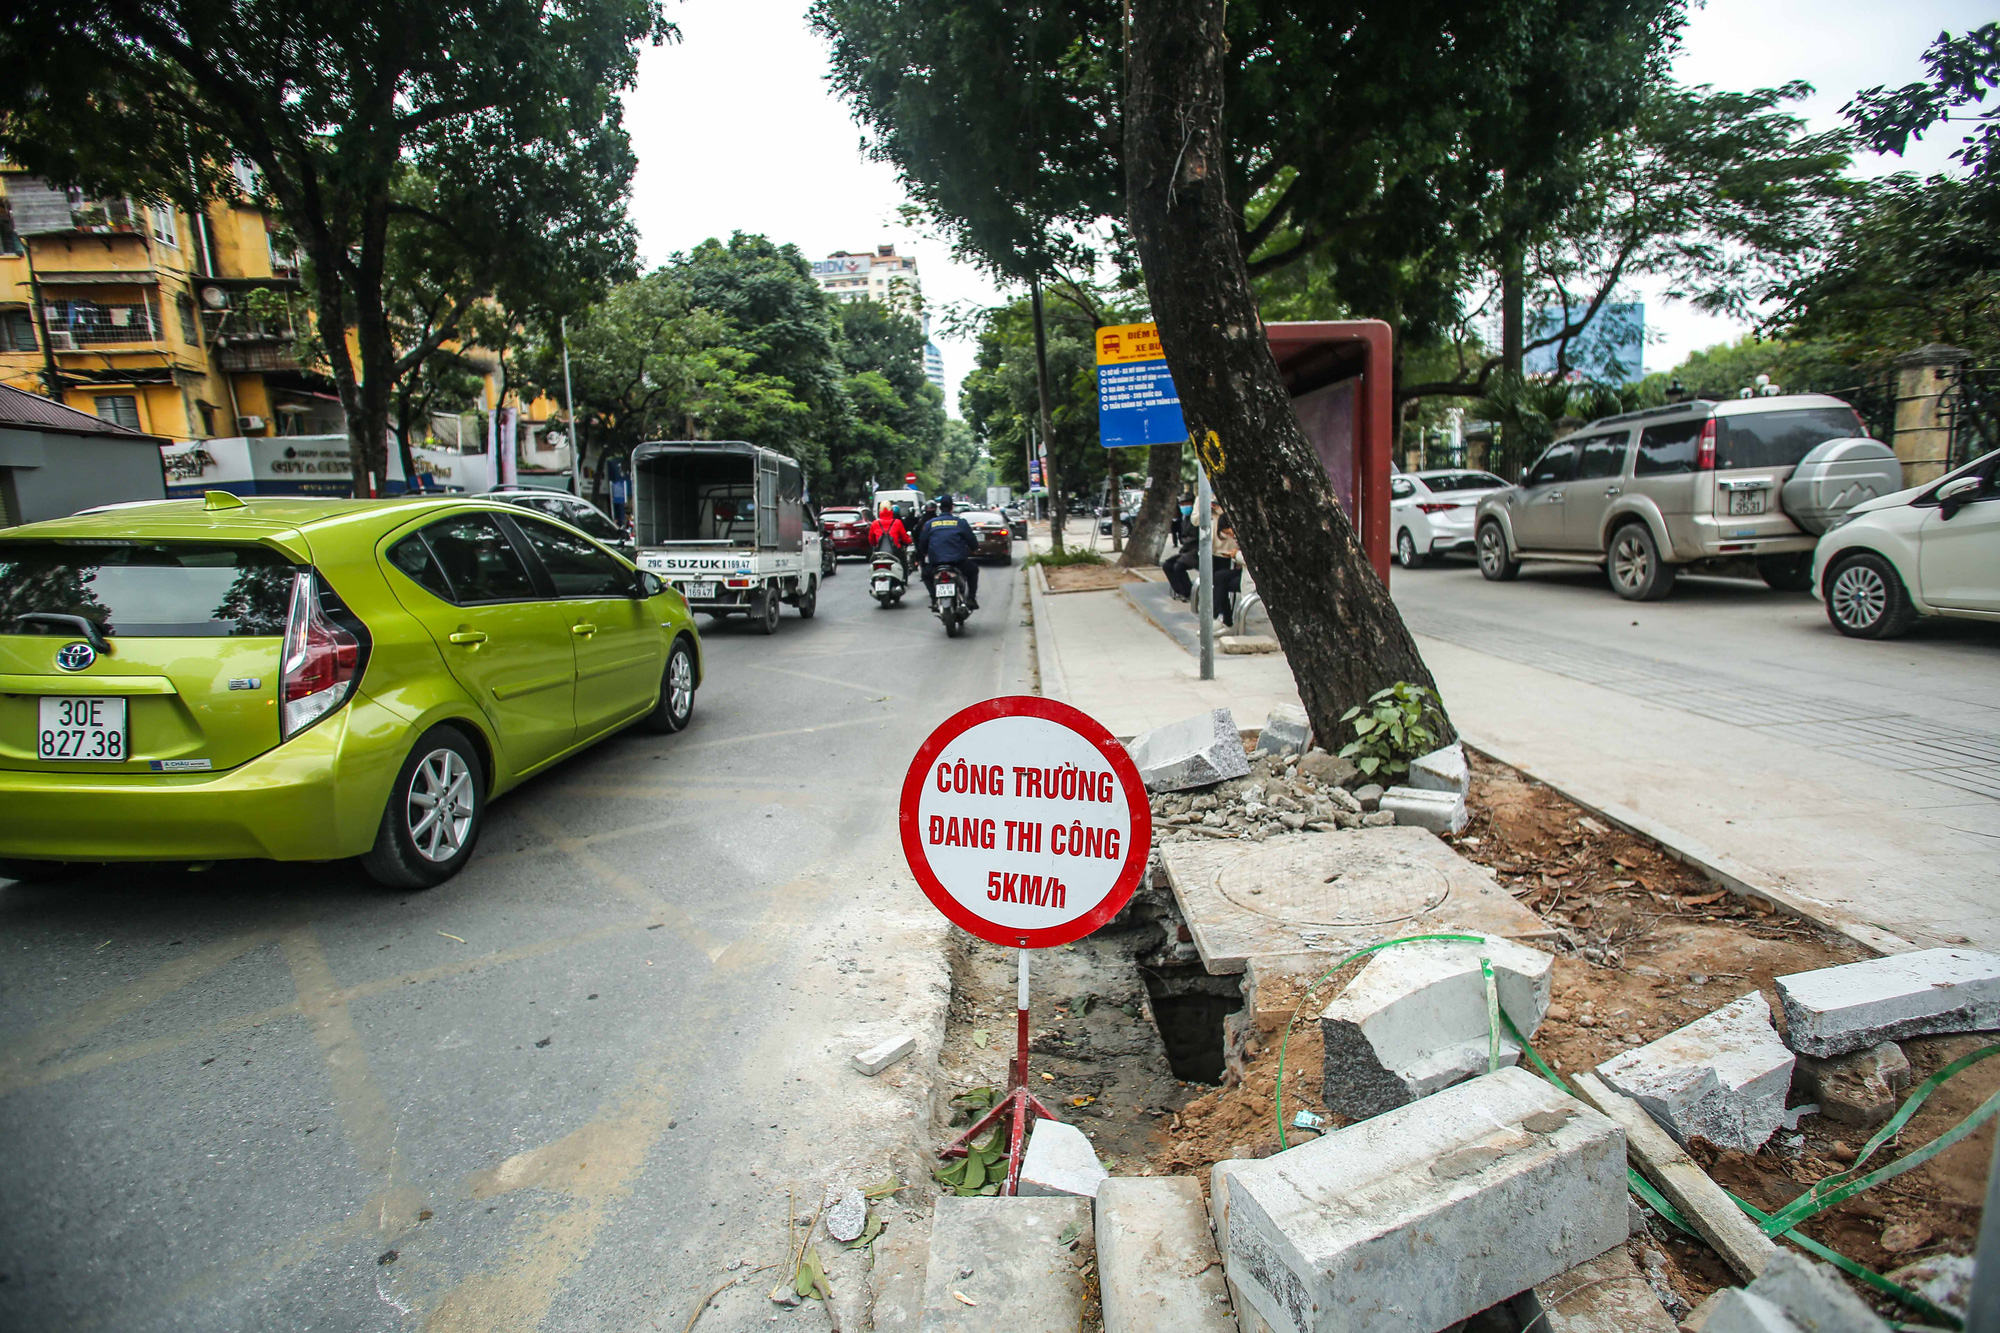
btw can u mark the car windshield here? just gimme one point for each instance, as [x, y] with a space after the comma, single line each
[1780, 439]
[157, 590]
[1464, 481]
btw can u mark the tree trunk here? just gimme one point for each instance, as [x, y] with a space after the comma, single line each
[1149, 526]
[1513, 281]
[1056, 516]
[1333, 617]
[330, 313]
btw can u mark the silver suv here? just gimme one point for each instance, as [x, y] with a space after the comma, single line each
[1649, 493]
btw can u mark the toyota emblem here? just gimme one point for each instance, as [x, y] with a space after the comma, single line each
[75, 656]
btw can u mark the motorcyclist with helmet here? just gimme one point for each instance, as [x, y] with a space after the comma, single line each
[888, 534]
[947, 539]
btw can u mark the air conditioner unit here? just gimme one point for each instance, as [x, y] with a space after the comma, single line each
[249, 425]
[61, 342]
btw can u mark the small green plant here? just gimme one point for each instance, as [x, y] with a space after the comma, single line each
[1397, 724]
[1071, 555]
[980, 1171]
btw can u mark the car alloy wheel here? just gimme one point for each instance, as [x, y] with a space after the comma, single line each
[1493, 561]
[1858, 597]
[1406, 550]
[1631, 563]
[440, 808]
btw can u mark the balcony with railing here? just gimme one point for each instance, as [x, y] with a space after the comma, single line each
[78, 324]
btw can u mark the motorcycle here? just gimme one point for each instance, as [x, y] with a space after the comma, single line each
[885, 579]
[950, 605]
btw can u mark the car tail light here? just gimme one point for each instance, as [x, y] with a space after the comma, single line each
[1704, 449]
[1438, 506]
[321, 663]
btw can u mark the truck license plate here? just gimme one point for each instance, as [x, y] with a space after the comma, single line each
[698, 592]
[1746, 502]
[81, 729]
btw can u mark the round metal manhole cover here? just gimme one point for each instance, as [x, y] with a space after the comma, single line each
[1337, 879]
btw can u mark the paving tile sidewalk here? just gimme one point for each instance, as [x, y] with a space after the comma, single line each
[1895, 857]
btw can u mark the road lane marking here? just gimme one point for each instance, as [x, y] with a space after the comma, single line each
[872, 691]
[18, 1069]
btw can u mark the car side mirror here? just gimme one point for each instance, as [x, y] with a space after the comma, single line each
[649, 585]
[1955, 494]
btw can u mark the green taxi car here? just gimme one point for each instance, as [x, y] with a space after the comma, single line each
[306, 680]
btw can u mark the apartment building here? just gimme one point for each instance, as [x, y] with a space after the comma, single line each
[885, 277]
[180, 327]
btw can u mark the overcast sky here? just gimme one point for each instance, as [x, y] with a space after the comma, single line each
[736, 129]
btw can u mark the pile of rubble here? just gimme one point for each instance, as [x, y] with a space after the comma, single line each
[1205, 785]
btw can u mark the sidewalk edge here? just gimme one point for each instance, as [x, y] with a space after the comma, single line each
[1048, 663]
[1726, 870]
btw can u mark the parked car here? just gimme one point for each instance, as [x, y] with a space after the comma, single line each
[996, 539]
[1431, 512]
[307, 679]
[1126, 518]
[845, 531]
[1648, 494]
[1932, 550]
[578, 513]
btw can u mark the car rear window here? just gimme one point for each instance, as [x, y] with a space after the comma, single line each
[1667, 449]
[1780, 439]
[148, 590]
[1465, 481]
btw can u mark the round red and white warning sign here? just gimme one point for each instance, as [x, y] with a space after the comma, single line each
[1025, 822]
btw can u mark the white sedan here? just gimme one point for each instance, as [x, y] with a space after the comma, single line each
[1431, 513]
[1931, 550]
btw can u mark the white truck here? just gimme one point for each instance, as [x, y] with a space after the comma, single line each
[724, 522]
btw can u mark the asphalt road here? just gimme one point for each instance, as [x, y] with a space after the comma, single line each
[1734, 650]
[567, 1089]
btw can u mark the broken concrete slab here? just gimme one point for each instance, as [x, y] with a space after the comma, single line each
[1328, 770]
[844, 1212]
[1428, 1214]
[1413, 1020]
[1018, 1269]
[1369, 795]
[1793, 1295]
[1157, 1265]
[1722, 1078]
[1287, 730]
[1945, 1280]
[1442, 812]
[1442, 770]
[1835, 1010]
[1862, 1089]
[878, 1058]
[1060, 1161]
[1333, 892]
[1608, 1294]
[1246, 645]
[1193, 752]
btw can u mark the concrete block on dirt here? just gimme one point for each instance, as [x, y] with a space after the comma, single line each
[1862, 1089]
[1722, 1078]
[1060, 1161]
[1194, 752]
[1286, 731]
[1246, 645]
[878, 1058]
[1157, 1265]
[1428, 1214]
[1441, 812]
[1606, 1295]
[1793, 1295]
[1370, 795]
[1442, 770]
[1835, 1010]
[1020, 1270]
[1413, 1020]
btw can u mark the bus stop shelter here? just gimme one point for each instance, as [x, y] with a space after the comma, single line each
[1341, 376]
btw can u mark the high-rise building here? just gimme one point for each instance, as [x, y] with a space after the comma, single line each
[885, 277]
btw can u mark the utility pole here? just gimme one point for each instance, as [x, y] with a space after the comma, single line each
[1204, 598]
[1042, 395]
[569, 410]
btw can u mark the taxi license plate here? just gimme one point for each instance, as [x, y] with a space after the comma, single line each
[1746, 502]
[699, 592]
[82, 729]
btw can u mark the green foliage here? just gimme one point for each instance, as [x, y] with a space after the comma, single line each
[1069, 555]
[1807, 366]
[1398, 723]
[505, 110]
[980, 1171]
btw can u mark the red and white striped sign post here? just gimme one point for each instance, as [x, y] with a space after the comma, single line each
[1025, 823]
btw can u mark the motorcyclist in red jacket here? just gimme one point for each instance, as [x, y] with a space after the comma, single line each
[887, 533]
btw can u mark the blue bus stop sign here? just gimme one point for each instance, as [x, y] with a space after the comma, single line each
[1137, 403]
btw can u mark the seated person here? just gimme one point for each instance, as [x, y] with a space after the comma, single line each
[948, 539]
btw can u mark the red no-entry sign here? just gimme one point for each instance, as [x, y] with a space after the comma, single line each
[1025, 822]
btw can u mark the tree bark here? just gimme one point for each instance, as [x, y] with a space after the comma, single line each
[1149, 526]
[1513, 282]
[1340, 632]
[1056, 515]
